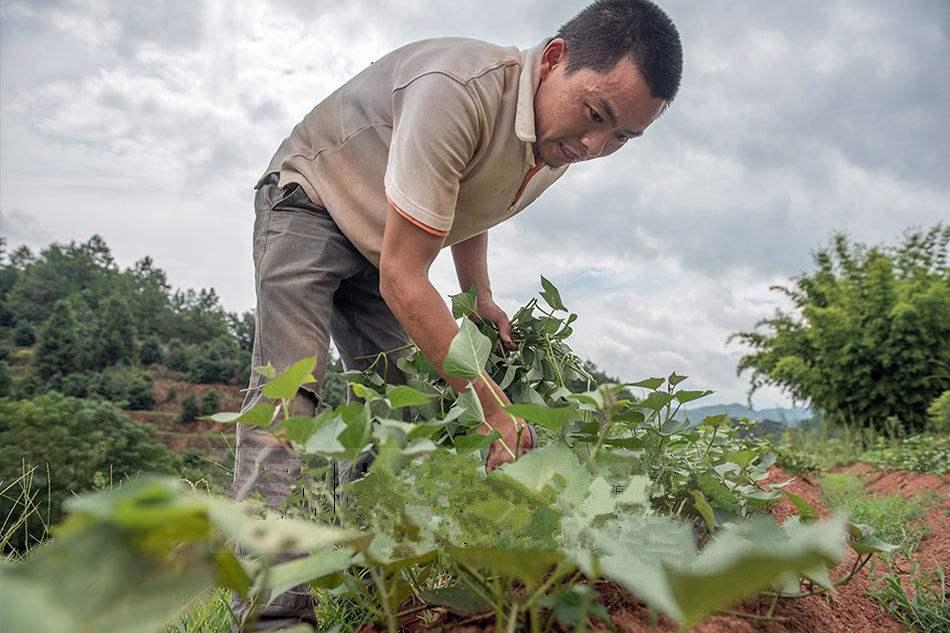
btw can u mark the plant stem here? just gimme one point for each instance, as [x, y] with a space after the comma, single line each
[600, 439]
[513, 619]
[387, 608]
[501, 404]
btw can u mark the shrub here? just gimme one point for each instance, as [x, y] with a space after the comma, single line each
[210, 402]
[189, 409]
[170, 395]
[179, 355]
[218, 360]
[938, 414]
[76, 385]
[126, 385]
[67, 441]
[23, 335]
[26, 387]
[151, 351]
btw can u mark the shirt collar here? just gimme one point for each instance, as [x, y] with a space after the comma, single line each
[527, 85]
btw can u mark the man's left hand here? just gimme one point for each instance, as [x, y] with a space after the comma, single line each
[488, 310]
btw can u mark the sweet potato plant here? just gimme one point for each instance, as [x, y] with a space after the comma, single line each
[620, 489]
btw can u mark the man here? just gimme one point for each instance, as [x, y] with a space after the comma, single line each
[429, 147]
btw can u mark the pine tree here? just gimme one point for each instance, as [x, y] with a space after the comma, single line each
[58, 343]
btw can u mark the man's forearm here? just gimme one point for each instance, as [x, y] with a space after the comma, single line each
[428, 322]
[471, 264]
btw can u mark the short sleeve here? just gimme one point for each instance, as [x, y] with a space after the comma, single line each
[435, 133]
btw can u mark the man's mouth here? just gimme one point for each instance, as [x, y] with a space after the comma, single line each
[565, 153]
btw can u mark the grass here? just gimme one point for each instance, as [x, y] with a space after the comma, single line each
[926, 609]
[213, 614]
[895, 518]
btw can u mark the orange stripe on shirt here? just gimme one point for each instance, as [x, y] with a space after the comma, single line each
[427, 229]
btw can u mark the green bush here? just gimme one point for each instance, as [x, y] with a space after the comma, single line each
[210, 402]
[938, 414]
[179, 356]
[126, 385]
[189, 409]
[219, 360]
[23, 335]
[922, 453]
[66, 442]
[150, 353]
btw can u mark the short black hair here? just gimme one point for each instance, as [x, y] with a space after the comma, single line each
[602, 34]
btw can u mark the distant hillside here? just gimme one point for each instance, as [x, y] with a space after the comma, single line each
[791, 417]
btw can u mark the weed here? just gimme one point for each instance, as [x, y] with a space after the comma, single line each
[925, 609]
[893, 517]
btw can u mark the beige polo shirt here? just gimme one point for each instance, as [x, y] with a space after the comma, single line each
[442, 129]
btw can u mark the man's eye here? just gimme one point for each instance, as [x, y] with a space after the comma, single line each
[596, 118]
[622, 139]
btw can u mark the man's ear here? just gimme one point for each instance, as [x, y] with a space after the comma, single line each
[552, 56]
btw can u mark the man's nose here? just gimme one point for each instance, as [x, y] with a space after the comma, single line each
[594, 142]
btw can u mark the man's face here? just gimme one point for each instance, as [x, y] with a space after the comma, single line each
[588, 114]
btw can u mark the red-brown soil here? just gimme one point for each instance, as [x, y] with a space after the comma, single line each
[196, 434]
[848, 610]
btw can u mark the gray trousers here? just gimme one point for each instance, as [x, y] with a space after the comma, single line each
[312, 284]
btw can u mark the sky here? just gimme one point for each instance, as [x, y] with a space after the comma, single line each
[149, 122]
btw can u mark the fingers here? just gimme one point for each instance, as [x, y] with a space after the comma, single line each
[504, 333]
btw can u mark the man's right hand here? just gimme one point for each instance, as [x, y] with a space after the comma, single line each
[505, 424]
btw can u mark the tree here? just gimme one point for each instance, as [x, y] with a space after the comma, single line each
[23, 334]
[939, 414]
[210, 402]
[151, 351]
[189, 409]
[58, 345]
[869, 337]
[115, 335]
[242, 329]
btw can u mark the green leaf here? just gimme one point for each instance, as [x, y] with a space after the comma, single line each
[473, 442]
[468, 352]
[95, 580]
[468, 409]
[806, 511]
[529, 565]
[671, 427]
[550, 418]
[870, 544]
[284, 576]
[365, 393]
[402, 396]
[323, 441]
[274, 534]
[660, 564]
[715, 421]
[705, 510]
[285, 386]
[261, 414]
[688, 396]
[676, 379]
[551, 295]
[459, 599]
[649, 383]
[267, 371]
[555, 465]
[299, 429]
[464, 303]
[229, 573]
[655, 401]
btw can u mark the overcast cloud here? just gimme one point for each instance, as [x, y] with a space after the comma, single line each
[149, 122]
